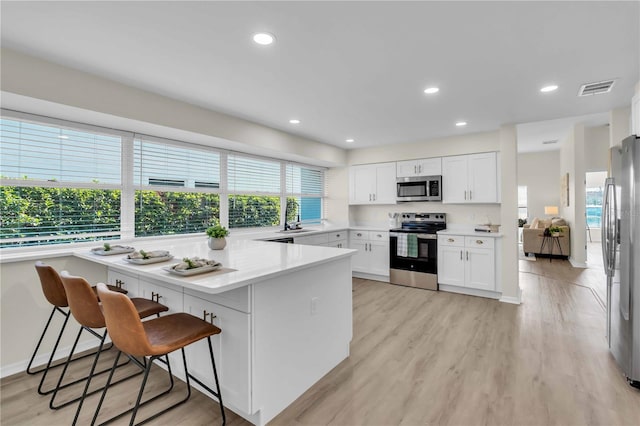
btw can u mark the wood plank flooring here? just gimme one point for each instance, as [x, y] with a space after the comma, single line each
[420, 357]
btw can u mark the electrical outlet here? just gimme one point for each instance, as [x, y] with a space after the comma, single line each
[314, 305]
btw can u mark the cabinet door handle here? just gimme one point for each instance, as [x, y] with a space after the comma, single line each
[415, 171]
[155, 296]
[206, 314]
[420, 168]
[369, 197]
[479, 242]
[460, 254]
[374, 197]
[465, 194]
[119, 283]
[467, 255]
[450, 240]
[379, 235]
[470, 196]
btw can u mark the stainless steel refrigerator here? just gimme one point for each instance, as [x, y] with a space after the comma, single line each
[621, 255]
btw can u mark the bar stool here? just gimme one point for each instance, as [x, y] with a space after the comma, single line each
[85, 308]
[154, 338]
[54, 293]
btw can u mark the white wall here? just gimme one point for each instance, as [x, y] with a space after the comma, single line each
[619, 125]
[33, 85]
[596, 153]
[509, 214]
[539, 172]
[572, 161]
[25, 310]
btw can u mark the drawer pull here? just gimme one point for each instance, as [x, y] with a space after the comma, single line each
[479, 242]
[337, 235]
[451, 240]
[359, 234]
[379, 235]
[208, 314]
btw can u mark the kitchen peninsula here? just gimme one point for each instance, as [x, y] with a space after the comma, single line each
[285, 312]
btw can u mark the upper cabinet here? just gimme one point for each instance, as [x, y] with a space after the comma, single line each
[424, 167]
[372, 184]
[470, 178]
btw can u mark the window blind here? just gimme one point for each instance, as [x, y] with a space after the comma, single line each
[60, 184]
[176, 187]
[32, 151]
[254, 191]
[305, 190]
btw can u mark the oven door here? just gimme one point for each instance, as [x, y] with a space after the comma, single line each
[425, 262]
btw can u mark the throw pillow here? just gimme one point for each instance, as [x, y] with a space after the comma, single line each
[544, 223]
[559, 222]
[534, 223]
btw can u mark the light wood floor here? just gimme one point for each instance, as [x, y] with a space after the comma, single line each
[421, 357]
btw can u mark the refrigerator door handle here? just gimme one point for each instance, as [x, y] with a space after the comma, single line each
[609, 230]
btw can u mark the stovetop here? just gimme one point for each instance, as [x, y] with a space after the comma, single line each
[427, 223]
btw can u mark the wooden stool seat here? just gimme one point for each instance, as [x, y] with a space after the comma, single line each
[54, 292]
[155, 338]
[85, 307]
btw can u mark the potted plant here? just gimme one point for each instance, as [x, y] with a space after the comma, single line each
[555, 231]
[216, 237]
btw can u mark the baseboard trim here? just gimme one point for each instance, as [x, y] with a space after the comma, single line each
[41, 360]
[469, 291]
[366, 276]
[576, 264]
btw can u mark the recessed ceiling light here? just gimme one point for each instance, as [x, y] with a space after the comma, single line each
[63, 137]
[263, 38]
[549, 88]
[461, 123]
[294, 121]
[350, 140]
[431, 90]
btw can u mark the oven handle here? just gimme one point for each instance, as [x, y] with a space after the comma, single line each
[420, 236]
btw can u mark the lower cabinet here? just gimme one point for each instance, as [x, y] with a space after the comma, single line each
[467, 261]
[231, 350]
[124, 281]
[373, 252]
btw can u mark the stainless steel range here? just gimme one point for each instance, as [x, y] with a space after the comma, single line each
[413, 250]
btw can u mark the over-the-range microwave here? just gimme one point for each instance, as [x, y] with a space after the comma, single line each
[419, 188]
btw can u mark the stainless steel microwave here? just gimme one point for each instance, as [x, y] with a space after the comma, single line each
[419, 188]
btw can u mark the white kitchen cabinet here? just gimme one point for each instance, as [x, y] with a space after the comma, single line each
[467, 261]
[338, 239]
[231, 349]
[423, 167]
[124, 281]
[470, 178]
[372, 184]
[312, 240]
[373, 252]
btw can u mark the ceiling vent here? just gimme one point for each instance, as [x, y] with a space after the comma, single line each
[596, 88]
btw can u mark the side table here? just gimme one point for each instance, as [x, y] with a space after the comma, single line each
[550, 242]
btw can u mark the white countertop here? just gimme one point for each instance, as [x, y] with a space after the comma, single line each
[470, 233]
[254, 261]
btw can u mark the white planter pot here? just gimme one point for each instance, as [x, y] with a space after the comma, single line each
[217, 243]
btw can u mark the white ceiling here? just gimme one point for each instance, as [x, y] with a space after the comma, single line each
[350, 69]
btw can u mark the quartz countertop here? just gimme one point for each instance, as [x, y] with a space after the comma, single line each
[253, 261]
[470, 233]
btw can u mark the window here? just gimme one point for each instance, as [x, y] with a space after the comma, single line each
[59, 184]
[254, 191]
[68, 182]
[176, 187]
[304, 193]
[522, 202]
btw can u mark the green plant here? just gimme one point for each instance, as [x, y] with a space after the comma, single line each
[521, 222]
[107, 246]
[555, 229]
[217, 231]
